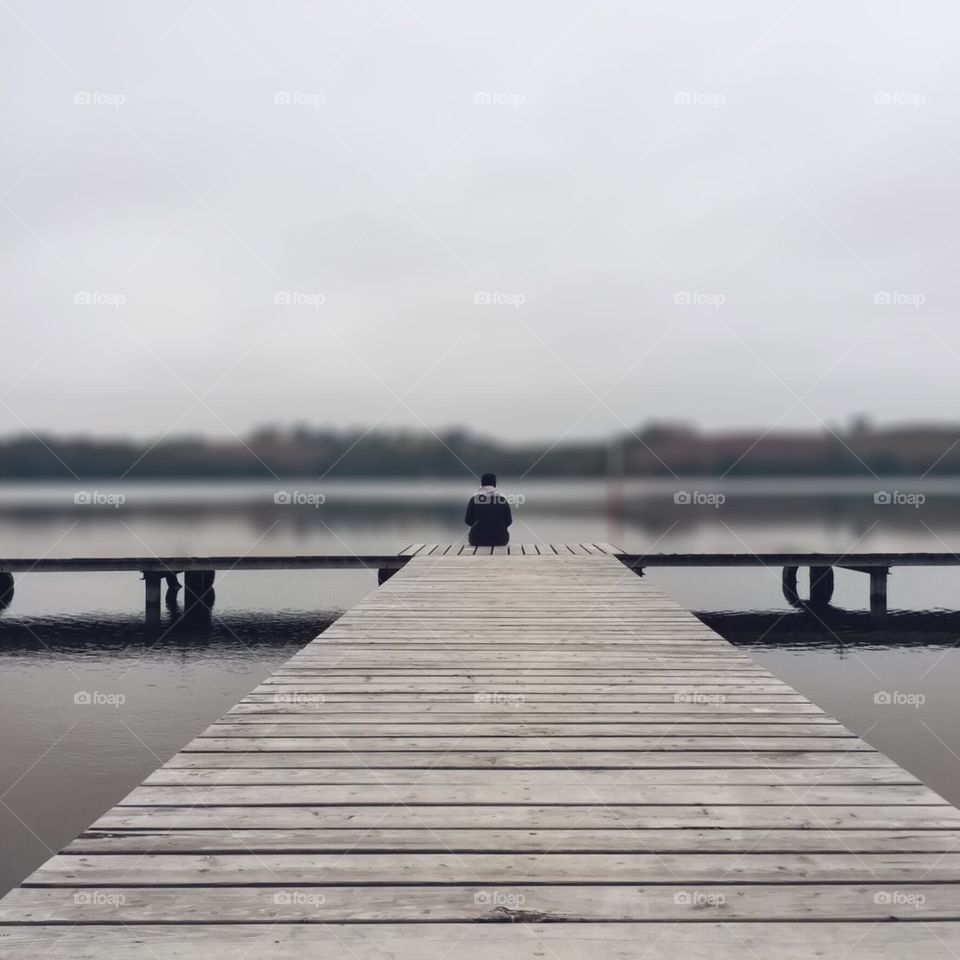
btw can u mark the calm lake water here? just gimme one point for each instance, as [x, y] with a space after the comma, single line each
[63, 763]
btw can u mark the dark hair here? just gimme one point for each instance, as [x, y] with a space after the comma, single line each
[488, 480]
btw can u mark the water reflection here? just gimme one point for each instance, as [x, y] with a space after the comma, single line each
[830, 628]
[185, 631]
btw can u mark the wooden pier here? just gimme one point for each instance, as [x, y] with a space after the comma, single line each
[200, 572]
[537, 739]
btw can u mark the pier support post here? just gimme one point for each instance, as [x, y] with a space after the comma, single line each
[788, 584]
[878, 591]
[151, 589]
[6, 588]
[821, 586]
[198, 588]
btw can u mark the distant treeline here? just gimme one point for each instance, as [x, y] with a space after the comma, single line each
[656, 450]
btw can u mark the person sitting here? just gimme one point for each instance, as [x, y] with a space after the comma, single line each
[488, 515]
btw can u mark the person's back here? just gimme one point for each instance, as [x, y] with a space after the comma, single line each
[488, 515]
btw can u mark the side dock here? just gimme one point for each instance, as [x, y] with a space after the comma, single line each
[531, 755]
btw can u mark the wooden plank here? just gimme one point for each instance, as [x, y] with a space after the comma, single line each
[455, 903]
[585, 793]
[601, 732]
[519, 816]
[524, 685]
[707, 939]
[609, 549]
[565, 840]
[493, 722]
[542, 779]
[841, 745]
[533, 759]
[495, 705]
[177, 870]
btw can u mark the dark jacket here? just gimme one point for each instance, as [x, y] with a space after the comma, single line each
[488, 516]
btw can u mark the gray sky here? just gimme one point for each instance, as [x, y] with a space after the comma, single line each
[585, 167]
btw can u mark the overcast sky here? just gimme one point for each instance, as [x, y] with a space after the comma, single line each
[531, 219]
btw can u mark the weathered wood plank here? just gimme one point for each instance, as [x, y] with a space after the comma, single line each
[497, 705]
[534, 759]
[327, 904]
[506, 777]
[675, 742]
[559, 840]
[517, 816]
[231, 870]
[705, 940]
[492, 723]
[573, 793]
[477, 727]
